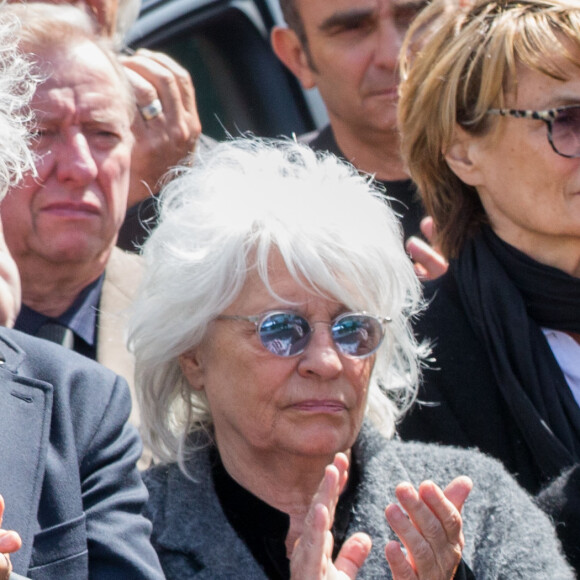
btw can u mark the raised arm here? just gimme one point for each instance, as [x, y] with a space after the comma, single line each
[167, 126]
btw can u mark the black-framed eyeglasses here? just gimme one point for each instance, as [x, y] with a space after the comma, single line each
[563, 126]
[285, 333]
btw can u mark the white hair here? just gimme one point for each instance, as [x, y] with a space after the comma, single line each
[16, 88]
[225, 216]
[45, 27]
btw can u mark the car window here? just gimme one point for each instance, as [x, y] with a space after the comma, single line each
[240, 84]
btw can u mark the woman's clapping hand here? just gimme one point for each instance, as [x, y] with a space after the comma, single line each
[431, 531]
[312, 555]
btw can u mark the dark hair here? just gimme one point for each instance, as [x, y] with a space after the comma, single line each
[293, 20]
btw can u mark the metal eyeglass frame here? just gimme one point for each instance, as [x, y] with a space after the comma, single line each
[548, 116]
[257, 320]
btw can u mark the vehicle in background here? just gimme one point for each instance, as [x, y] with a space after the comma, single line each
[240, 84]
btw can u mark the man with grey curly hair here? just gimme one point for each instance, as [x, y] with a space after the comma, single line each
[70, 493]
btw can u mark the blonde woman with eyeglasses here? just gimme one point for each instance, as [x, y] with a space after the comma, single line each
[490, 119]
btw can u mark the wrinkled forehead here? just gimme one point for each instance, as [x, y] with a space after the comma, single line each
[103, 11]
[83, 66]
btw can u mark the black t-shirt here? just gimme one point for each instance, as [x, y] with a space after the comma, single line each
[263, 528]
[402, 194]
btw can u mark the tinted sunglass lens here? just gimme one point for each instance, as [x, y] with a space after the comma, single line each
[566, 132]
[284, 334]
[357, 335]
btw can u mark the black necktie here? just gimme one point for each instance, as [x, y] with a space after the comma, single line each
[58, 333]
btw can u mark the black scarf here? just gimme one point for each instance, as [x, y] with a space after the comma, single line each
[508, 297]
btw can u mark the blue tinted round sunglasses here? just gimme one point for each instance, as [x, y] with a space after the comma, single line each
[283, 333]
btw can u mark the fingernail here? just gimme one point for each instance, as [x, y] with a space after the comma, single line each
[405, 488]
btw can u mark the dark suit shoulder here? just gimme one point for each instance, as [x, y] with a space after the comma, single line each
[84, 391]
[21, 353]
[86, 514]
[31, 357]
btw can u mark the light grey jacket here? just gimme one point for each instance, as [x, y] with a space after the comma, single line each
[506, 535]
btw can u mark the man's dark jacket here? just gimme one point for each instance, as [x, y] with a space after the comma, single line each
[67, 466]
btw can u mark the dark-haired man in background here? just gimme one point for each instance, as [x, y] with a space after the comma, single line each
[349, 50]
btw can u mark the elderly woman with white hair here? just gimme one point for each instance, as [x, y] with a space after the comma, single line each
[274, 356]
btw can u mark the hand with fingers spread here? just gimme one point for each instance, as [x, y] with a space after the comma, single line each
[429, 262]
[312, 555]
[168, 126]
[431, 530]
[9, 542]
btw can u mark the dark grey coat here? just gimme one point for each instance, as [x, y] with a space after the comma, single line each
[67, 466]
[506, 535]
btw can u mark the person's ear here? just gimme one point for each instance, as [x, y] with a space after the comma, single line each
[289, 50]
[462, 156]
[192, 368]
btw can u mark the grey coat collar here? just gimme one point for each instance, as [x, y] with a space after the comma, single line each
[180, 508]
[502, 527]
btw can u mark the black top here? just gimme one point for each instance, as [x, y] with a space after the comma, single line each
[402, 194]
[464, 405]
[264, 528]
[490, 353]
[494, 383]
[140, 220]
